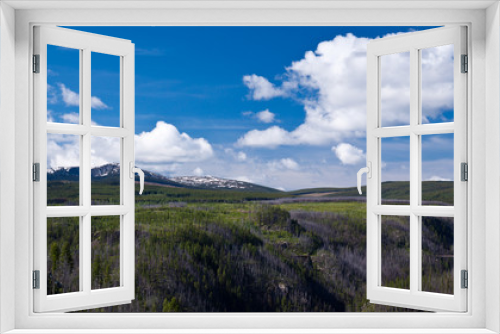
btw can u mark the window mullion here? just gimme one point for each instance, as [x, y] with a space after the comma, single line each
[414, 171]
[85, 102]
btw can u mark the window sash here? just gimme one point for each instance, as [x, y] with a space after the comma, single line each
[86, 297]
[414, 297]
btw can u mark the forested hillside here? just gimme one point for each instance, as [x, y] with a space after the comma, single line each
[222, 251]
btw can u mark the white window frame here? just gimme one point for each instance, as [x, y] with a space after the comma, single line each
[483, 21]
[85, 44]
[413, 43]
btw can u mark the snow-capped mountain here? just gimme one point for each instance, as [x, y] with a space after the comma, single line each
[111, 173]
[210, 182]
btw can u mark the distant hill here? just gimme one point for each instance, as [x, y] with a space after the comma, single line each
[213, 182]
[432, 191]
[110, 173]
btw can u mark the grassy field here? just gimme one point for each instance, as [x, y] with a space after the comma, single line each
[223, 251]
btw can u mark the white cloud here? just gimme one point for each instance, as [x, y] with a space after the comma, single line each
[271, 137]
[72, 117]
[72, 98]
[198, 171]
[62, 151]
[165, 144]
[438, 178]
[241, 156]
[261, 88]
[51, 94]
[330, 82]
[50, 117]
[437, 81]
[96, 103]
[265, 116]
[104, 150]
[283, 164]
[348, 154]
[163, 149]
[238, 156]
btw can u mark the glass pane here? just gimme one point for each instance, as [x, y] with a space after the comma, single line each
[437, 169]
[437, 254]
[63, 84]
[63, 171]
[105, 174]
[396, 251]
[395, 170]
[437, 84]
[105, 89]
[395, 89]
[63, 259]
[105, 252]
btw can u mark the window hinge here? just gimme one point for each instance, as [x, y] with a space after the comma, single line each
[36, 63]
[36, 279]
[36, 172]
[464, 279]
[465, 64]
[464, 168]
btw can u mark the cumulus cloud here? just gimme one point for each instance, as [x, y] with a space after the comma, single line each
[50, 117]
[241, 156]
[437, 82]
[62, 151]
[71, 117]
[163, 149]
[261, 88]
[265, 116]
[71, 98]
[96, 103]
[165, 144]
[271, 137]
[283, 164]
[238, 156]
[330, 83]
[104, 150]
[348, 154]
[51, 94]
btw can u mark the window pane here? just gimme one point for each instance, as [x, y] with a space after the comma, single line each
[437, 254]
[437, 84]
[105, 174]
[395, 89]
[63, 169]
[395, 170]
[105, 252]
[63, 84]
[63, 259]
[396, 251]
[105, 89]
[437, 169]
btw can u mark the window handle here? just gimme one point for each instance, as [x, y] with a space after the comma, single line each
[139, 171]
[368, 171]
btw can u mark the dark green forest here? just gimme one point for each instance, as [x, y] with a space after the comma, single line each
[201, 250]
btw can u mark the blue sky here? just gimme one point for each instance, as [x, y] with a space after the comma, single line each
[251, 103]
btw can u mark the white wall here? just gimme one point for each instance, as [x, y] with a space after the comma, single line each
[492, 149]
[7, 167]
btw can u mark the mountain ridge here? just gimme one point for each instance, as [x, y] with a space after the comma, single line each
[110, 173]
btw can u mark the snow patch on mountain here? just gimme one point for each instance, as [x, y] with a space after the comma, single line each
[210, 182]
